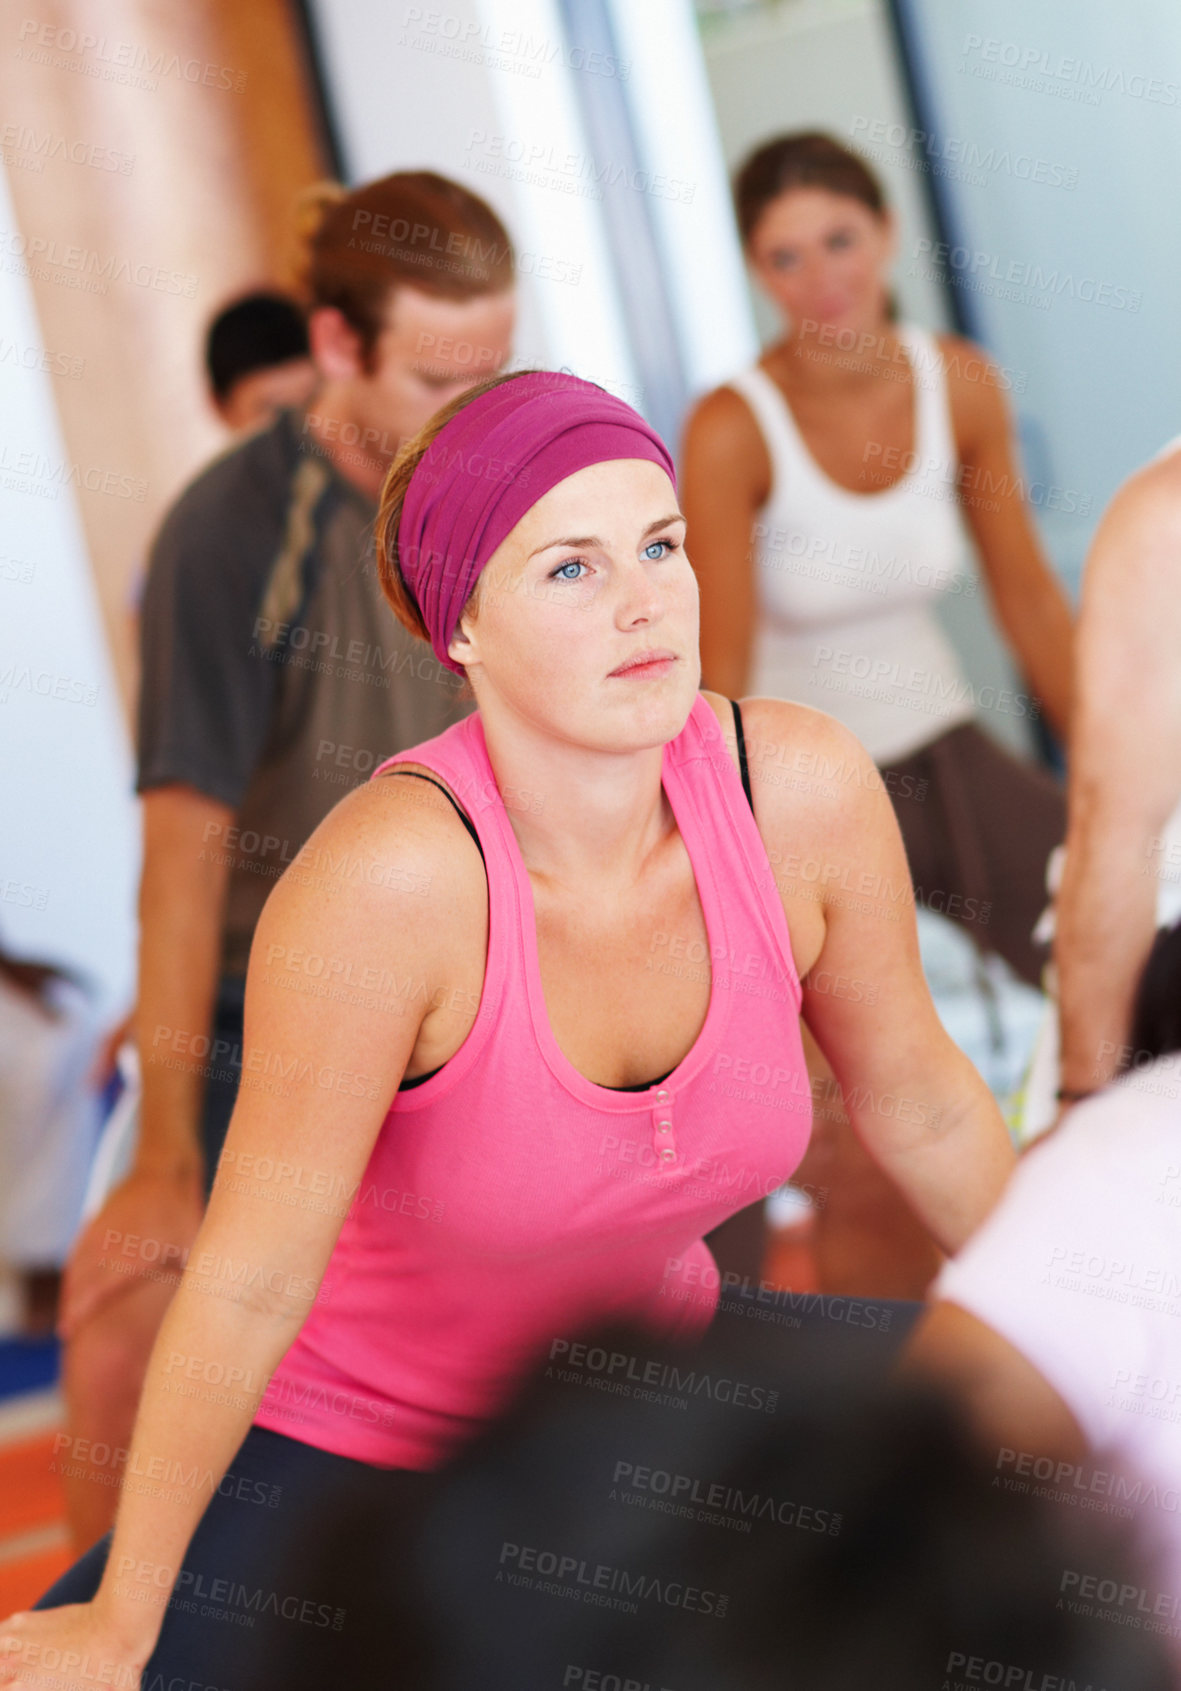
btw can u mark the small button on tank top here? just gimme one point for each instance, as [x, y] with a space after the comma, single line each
[509, 1202]
[846, 580]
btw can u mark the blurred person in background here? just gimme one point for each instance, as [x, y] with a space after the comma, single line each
[823, 488]
[51, 1073]
[273, 680]
[257, 360]
[257, 363]
[1059, 1323]
[1121, 870]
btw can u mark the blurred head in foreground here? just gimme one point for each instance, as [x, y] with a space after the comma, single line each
[753, 1513]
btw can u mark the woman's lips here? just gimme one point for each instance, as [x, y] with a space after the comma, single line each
[647, 665]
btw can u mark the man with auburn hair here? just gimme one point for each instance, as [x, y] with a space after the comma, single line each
[1121, 877]
[274, 680]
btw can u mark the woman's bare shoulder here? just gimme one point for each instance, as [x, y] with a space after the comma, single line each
[793, 749]
[976, 389]
[392, 848]
[809, 773]
[722, 420]
[725, 460]
[787, 720]
[770, 724]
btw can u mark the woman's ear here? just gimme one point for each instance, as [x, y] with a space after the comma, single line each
[460, 649]
[464, 645]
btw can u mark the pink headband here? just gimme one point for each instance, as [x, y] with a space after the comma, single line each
[486, 468]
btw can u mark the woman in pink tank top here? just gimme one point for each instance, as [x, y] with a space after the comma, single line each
[513, 1046]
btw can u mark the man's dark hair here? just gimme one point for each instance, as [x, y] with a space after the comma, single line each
[254, 333]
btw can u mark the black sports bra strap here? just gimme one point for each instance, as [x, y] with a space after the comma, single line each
[743, 766]
[466, 820]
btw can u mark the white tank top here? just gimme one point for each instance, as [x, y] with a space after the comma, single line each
[846, 580]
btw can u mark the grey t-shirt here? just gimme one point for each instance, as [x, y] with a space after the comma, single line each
[275, 675]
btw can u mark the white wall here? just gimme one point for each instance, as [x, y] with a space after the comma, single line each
[1077, 114]
[487, 91]
[478, 91]
[69, 837]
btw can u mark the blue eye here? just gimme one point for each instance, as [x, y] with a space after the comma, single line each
[570, 564]
[662, 548]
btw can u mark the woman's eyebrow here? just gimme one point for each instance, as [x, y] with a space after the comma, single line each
[568, 540]
[595, 540]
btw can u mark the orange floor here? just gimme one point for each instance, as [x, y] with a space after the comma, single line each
[34, 1546]
[790, 1263]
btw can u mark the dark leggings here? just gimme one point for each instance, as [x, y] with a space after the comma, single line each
[257, 1585]
[978, 825]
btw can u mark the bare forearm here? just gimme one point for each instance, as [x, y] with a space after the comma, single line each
[1040, 630]
[944, 1144]
[1105, 919]
[181, 900]
[208, 1370]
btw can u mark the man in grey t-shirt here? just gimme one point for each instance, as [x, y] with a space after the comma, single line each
[274, 678]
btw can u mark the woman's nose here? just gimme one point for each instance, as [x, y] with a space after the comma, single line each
[640, 598]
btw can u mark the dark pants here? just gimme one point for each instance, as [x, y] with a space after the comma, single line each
[978, 825]
[257, 1583]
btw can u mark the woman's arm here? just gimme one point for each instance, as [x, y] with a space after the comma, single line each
[1125, 775]
[1027, 596]
[318, 1077]
[918, 1104]
[1010, 1403]
[725, 478]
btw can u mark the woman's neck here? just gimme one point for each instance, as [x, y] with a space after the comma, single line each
[581, 816]
[820, 358]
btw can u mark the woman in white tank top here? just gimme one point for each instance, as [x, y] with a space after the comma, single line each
[846, 580]
[824, 490]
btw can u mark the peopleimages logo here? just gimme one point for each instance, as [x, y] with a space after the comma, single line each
[617, 1366]
[1024, 66]
[1027, 273]
[685, 1489]
[600, 1577]
[953, 155]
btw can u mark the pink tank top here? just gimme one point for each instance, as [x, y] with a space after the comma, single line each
[509, 1202]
